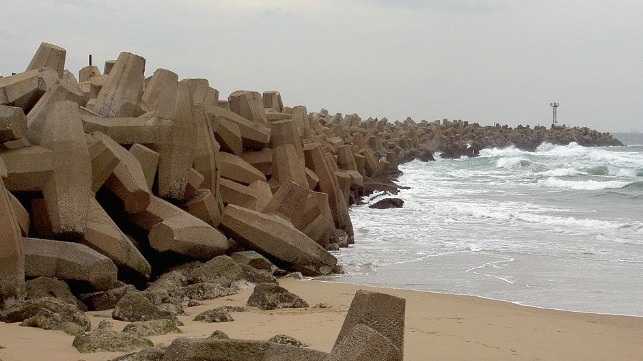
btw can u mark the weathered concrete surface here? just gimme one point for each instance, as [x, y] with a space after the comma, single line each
[25, 89]
[228, 134]
[362, 343]
[317, 161]
[104, 236]
[204, 206]
[124, 89]
[277, 239]
[288, 202]
[158, 81]
[149, 161]
[37, 116]
[19, 212]
[381, 312]
[104, 159]
[127, 181]
[49, 55]
[287, 165]
[255, 196]
[176, 153]
[272, 99]
[172, 229]
[68, 261]
[285, 132]
[253, 135]
[206, 155]
[87, 73]
[12, 261]
[238, 170]
[70, 187]
[13, 123]
[262, 160]
[249, 105]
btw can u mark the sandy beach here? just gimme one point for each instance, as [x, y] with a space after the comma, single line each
[442, 327]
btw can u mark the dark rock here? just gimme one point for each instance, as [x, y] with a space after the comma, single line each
[107, 340]
[105, 325]
[231, 309]
[219, 335]
[287, 340]
[388, 203]
[269, 296]
[183, 349]
[221, 270]
[49, 320]
[212, 316]
[48, 313]
[193, 303]
[208, 291]
[146, 354]
[105, 300]
[134, 306]
[51, 287]
[151, 328]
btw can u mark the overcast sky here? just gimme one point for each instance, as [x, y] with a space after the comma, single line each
[483, 61]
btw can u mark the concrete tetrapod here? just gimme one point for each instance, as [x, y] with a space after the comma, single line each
[276, 239]
[12, 259]
[381, 312]
[49, 55]
[68, 261]
[172, 229]
[104, 236]
[70, 187]
[122, 94]
[25, 89]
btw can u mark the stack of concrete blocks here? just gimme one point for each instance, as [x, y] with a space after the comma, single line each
[127, 168]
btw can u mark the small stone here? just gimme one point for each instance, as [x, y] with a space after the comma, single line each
[151, 328]
[287, 340]
[219, 335]
[107, 340]
[268, 296]
[212, 316]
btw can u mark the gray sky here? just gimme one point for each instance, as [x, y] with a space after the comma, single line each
[479, 60]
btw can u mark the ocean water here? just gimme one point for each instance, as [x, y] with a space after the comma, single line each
[558, 228]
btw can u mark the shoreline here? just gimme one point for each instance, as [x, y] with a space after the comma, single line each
[516, 303]
[445, 326]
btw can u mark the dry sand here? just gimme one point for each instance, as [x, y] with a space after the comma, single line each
[438, 327]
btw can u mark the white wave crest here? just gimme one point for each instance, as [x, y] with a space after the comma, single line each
[560, 172]
[512, 163]
[569, 222]
[590, 185]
